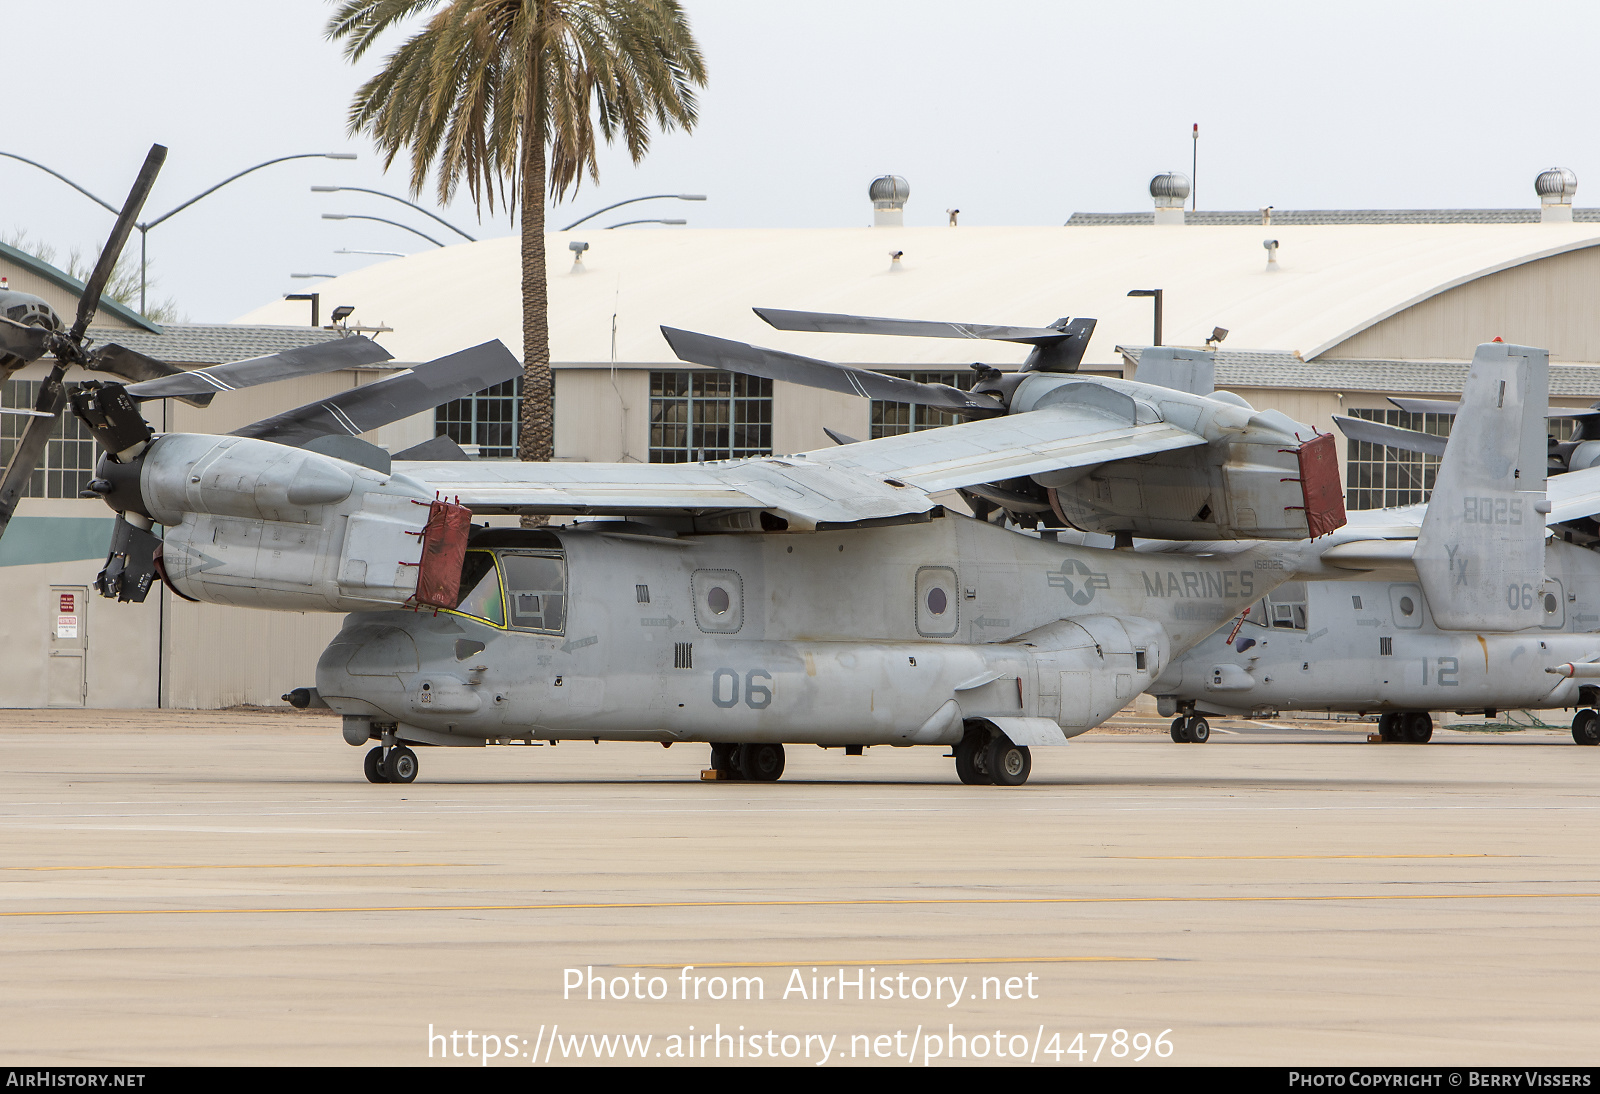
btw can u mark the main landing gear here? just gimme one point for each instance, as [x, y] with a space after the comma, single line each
[987, 756]
[1414, 728]
[1586, 727]
[1191, 729]
[756, 763]
[399, 766]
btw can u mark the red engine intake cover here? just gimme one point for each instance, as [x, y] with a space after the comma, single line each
[444, 549]
[1320, 485]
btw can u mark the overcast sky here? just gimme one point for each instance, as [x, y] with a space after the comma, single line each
[1015, 111]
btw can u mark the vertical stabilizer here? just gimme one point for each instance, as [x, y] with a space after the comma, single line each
[1191, 370]
[1481, 552]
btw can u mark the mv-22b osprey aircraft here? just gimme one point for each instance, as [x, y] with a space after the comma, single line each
[822, 598]
[1401, 643]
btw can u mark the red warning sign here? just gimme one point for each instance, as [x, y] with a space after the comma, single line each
[68, 604]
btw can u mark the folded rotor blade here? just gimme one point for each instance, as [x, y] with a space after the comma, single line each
[1391, 436]
[351, 352]
[89, 302]
[748, 360]
[1441, 406]
[130, 364]
[30, 447]
[27, 343]
[353, 412]
[835, 323]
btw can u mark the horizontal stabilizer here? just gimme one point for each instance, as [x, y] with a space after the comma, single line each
[1441, 406]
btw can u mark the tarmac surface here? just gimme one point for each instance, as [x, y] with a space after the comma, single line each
[226, 888]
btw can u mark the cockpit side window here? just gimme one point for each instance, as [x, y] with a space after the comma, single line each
[536, 589]
[480, 582]
[1288, 605]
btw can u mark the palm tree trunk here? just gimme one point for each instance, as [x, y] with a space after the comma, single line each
[537, 421]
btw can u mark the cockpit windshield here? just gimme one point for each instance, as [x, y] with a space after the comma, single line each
[480, 582]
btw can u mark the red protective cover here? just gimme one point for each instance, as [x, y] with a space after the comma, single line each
[1320, 486]
[444, 549]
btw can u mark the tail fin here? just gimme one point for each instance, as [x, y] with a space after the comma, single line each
[1191, 370]
[1480, 555]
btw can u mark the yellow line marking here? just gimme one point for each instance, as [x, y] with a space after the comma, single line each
[898, 961]
[242, 866]
[1174, 858]
[881, 902]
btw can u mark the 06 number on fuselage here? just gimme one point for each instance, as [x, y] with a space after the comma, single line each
[725, 689]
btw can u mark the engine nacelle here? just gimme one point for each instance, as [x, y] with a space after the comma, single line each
[256, 524]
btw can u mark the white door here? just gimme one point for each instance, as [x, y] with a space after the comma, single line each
[67, 675]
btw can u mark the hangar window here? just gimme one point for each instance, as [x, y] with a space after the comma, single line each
[1378, 477]
[891, 419]
[536, 590]
[488, 419]
[69, 455]
[712, 415]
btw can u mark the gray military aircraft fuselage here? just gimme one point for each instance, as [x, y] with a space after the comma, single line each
[1373, 647]
[949, 632]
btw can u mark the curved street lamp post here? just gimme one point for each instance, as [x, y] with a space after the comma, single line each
[145, 227]
[630, 201]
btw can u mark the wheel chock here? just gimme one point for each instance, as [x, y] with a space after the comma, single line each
[710, 775]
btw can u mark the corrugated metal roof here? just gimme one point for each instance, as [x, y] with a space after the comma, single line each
[212, 343]
[1285, 369]
[1294, 217]
[1332, 281]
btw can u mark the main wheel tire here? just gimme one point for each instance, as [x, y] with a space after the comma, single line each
[1199, 730]
[1586, 727]
[969, 766]
[1180, 730]
[373, 766]
[761, 763]
[1389, 727]
[1009, 764]
[725, 760]
[1419, 728]
[401, 765]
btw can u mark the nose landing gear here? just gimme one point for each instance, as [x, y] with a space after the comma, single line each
[1191, 729]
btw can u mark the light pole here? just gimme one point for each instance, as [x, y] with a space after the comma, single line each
[392, 197]
[1156, 293]
[630, 201]
[147, 225]
[625, 223]
[381, 220]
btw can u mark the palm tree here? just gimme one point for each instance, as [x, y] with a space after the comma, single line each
[504, 94]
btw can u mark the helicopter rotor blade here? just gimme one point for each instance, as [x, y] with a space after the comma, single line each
[30, 446]
[89, 302]
[353, 412]
[26, 343]
[748, 360]
[352, 352]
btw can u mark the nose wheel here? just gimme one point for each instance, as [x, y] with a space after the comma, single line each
[1586, 728]
[1191, 730]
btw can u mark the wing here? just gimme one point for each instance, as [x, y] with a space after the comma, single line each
[1057, 438]
[793, 492]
